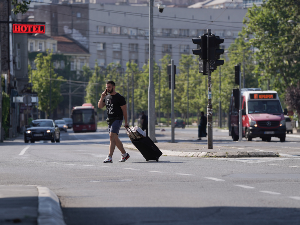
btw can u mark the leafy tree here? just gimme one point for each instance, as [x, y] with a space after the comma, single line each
[20, 7]
[41, 83]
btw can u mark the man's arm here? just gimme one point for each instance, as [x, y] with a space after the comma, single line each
[124, 109]
[101, 102]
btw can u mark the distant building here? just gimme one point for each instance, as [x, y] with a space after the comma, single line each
[249, 3]
[119, 34]
[218, 4]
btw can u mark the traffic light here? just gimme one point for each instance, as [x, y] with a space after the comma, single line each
[201, 47]
[214, 52]
[236, 95]
[202, 52]
[169, 73]
[237, 74]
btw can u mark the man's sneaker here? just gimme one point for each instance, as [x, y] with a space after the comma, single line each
[124, 157]
[108, 160]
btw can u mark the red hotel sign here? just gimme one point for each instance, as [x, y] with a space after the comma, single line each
[27, 28]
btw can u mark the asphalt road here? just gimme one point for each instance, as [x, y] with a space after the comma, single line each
[176, 190]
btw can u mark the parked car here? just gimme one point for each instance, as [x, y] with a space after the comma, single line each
[288, 125]
[179, 123]
[42, 129]
[61, 125]
[69, 122]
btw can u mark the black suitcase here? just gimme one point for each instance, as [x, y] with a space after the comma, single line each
[148, 149]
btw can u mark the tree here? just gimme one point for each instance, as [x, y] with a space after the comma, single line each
[41, 83]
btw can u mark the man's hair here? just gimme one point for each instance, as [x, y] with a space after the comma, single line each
[111, 82]
[202, 113]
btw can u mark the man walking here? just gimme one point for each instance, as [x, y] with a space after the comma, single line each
[202, 126]
[116, 109]
[144, 122]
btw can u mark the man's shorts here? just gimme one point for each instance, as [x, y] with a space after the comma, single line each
[115, 127]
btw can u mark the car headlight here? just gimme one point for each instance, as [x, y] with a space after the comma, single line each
[252, 123]
[65, 126]
[28, 132]
[48, 131]
[282, 123]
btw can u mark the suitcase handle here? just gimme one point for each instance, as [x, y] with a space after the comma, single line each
[131, 132]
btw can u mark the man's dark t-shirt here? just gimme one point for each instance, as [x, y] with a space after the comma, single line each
[145, 121]
[113, 105]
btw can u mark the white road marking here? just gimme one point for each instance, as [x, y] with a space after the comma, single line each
[273, 164]
[130, 169]
[184, 174]
[103, 166]
[294, 166]
[270, 192]
[88, 165]
[153, 171]
[24, 150]
[70, 164]
[215, 179]
[295, 197]
[244, 186]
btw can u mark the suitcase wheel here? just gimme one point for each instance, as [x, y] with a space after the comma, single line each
[156, 160]
[147, 160]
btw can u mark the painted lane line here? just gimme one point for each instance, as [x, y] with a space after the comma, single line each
[295, 197]
[273, 164]
[293, 166]
[214, 179]
[184, 174]
[104, 166]
[69, 164]
[270, 192]
[88, 165]
[153, 171]
[130, 169]
[24, 150]
[245, 186]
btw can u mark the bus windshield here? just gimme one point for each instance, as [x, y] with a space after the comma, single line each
[83, 116]
[264, 106]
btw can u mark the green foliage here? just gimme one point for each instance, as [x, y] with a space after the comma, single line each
[20, 7]
[5, 111]
[41, 83]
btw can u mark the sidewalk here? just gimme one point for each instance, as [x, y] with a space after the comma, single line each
[188, 149]
[30, 205]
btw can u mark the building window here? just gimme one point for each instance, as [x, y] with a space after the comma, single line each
[117, 61]
[184, 32]
[100, 46]
[18, 57]
[219, 33]
[31, 47]
[62, 64]
[133, 47]
[116, 47]
[40, 46]
[167, 48]
[132, 31]
[100, 29]
[54, 47]
[167, 32]
[78, 15]
[81, 64]
[101, 62]
[72, 66]
[184, 48]
[115, 30]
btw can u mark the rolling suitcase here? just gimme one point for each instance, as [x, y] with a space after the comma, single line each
[146, 146]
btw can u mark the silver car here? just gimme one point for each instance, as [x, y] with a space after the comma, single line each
[288, 125]
[61, 125]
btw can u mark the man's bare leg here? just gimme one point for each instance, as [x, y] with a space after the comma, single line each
[112, 145]
[119, 144]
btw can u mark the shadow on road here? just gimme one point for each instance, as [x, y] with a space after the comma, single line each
[181, 215]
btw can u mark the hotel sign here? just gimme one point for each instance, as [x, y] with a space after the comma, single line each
[28, 29]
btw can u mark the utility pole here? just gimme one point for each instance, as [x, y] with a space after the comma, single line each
[172, 103]
[209, 105]
[159, 77]
[240, 106]
[127, 97]
[220, 107]
[0, 96]
[151, 91]
[70, 98]
[132, 98]
[244, 78]
[50, 88]
[188, 74]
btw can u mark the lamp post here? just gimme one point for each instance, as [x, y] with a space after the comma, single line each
[151, 93]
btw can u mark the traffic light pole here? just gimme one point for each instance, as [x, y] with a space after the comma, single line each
[240, 108]
[172, 103]
[209, 105]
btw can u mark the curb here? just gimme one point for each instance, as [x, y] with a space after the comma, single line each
[212, 154]
[49, 210]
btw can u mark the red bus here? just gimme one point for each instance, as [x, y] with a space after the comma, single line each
[84, 118]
